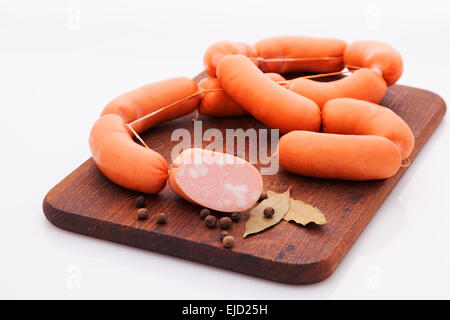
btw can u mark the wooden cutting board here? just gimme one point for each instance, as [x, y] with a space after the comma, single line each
[86, 202]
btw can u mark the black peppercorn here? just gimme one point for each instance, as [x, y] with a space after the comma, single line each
[142, 214]
[211, 221]
[228, 241]
[269, 212]
[223, 234]
[140, 202]
[161, 218]
[225, 223]
[204, 213]
[236, 216]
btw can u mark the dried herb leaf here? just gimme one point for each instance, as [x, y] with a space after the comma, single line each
[271, 193]
[301, 213]
[257, 222]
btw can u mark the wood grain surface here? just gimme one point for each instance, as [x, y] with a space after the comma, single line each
[86, 202]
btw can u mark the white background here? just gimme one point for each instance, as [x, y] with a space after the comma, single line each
[62, 61]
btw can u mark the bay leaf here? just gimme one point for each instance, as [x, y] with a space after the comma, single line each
[271, 193]
[257, 222]
[301, 212]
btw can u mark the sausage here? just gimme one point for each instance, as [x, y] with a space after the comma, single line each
[364, 84]
[336, 156]
[275, 76]
[118, 157]
[351, 116]
[220, 49]
[300, 47]
[218, 103]
[122, 160]
[214, 180]
[268, 102]
[375, 55]
[137, 103]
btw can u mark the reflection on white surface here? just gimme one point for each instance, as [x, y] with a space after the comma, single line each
[62, 61]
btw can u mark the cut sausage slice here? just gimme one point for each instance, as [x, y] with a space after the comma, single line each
[215, 180]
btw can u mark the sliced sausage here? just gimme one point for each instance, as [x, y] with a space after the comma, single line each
[215, 180]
